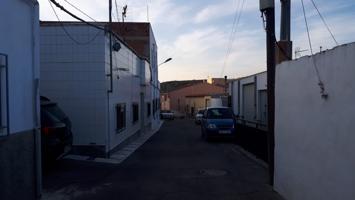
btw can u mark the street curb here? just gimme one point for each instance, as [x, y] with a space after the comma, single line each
[251, 156]
[122, 154]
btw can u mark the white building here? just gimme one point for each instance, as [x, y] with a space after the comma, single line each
[249, 99]
[314, 136]
[76, 73]
[20, 172]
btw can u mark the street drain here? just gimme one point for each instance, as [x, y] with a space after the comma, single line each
[212, 172]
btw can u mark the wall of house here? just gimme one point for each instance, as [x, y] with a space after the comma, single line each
[164, 101]
[198, 102]
[126, 89]
[178, 97]
[20, 176]
[73, 75]
[155, 78]
[314, 137]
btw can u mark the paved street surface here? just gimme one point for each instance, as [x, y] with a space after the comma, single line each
[173, 164]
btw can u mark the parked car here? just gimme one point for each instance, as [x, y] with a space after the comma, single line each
[218, 122]
[198, 116]
[57, 137]
[167, 114]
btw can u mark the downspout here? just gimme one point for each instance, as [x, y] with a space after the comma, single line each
[35, 93]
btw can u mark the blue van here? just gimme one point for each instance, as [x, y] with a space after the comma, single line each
[218, 122]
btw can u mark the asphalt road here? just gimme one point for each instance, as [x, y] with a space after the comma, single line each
[173, 164]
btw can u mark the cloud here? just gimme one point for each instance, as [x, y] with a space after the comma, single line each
[223, 9]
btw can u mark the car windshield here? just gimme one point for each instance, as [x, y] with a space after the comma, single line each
[55, 110]
[219, 113]
[201, 111]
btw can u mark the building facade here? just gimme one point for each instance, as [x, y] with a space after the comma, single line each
[249, 100]
[108, 105]
[314, 134]
[186, 100]
[140, 37]
[20, 153]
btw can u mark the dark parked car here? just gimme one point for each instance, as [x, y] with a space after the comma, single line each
[218, 122]
[57, 137]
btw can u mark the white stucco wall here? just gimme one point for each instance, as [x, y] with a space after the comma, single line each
[74, 76]
[19, 39]
[126, 89]
[314, 137]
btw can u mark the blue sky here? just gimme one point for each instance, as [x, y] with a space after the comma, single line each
[196, 33]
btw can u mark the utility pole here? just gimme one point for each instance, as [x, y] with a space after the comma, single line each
[267, 7]
[285, 33]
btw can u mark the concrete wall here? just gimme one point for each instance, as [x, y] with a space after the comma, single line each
[19, 141]
[314, 153]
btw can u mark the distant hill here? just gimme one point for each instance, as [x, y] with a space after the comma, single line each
[174, 85]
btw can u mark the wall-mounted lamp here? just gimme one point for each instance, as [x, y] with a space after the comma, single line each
[167, 60]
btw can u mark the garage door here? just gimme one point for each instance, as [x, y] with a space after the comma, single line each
[249, 102]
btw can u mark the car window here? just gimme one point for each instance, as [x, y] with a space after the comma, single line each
[55, 110]
[219, 113]
[201, 111]
[47, 119]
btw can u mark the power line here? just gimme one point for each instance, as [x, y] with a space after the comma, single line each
[118, 18]
[79, 10]
[324, 22]
[320, 83]
[275, 39]
[68, 34]
[236, 20]
[85, 22]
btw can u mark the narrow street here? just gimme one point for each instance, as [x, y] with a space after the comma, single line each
[173, 164]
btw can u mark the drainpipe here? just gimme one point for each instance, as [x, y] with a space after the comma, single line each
[35, 92]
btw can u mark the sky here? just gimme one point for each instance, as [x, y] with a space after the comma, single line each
[199, 36]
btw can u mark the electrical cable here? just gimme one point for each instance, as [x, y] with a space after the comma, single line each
[79, 10]
[87, 23]
[275, 39]
[68, 34]
[231, 40]
[324, 22]
[320, 83]
[118, 18]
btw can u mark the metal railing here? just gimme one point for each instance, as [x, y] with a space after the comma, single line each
[255, 124]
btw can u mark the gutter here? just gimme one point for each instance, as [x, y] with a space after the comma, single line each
[35, 91]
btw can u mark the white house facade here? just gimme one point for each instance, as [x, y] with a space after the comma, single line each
[76, 73]
[20, 153]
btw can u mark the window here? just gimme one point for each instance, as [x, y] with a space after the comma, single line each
[135, 112]
[148, 109]
[120, 117]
